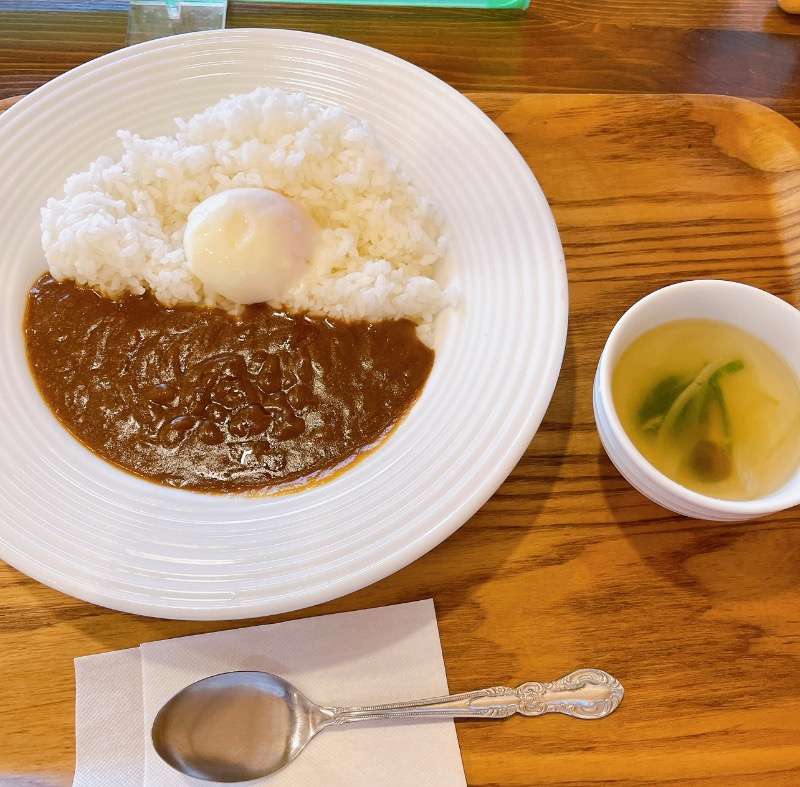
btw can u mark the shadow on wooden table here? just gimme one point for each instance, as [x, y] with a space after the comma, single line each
[718, 611]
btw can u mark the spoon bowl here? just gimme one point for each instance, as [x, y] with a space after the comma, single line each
[240, 726]
[267, 723]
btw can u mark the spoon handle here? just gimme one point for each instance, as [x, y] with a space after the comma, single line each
[584, 694]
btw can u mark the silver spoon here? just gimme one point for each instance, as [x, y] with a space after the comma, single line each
[240, 726]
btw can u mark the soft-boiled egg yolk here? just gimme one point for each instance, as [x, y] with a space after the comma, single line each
[249, 245]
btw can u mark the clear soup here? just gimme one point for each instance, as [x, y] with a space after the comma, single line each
[712, 407]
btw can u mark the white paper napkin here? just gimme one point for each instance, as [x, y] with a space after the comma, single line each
[355, 658]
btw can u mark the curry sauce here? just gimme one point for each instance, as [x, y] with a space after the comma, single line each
[198, 399]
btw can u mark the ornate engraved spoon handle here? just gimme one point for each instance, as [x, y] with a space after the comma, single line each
[584, 694]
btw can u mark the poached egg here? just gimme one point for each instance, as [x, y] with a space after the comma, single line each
[250, 245]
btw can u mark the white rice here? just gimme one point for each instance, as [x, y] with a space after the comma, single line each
[119, 226]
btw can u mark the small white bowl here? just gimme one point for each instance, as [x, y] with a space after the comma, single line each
[763, 315]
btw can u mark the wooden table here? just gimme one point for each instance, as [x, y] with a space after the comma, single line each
[566, 565]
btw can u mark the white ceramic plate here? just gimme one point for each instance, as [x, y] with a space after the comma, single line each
[75, 523]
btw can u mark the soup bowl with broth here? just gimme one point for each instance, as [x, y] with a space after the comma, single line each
[697, 400]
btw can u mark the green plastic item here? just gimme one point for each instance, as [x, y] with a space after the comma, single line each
[417, 3]
[150, 19]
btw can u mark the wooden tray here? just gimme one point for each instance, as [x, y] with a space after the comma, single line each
[567, 566]
[698, 617]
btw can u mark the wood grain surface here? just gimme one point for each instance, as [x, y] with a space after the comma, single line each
[566, 565]
[745, 48]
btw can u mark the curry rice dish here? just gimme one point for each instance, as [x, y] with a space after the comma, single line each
[144, 360]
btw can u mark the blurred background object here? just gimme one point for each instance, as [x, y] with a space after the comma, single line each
[149, 19]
